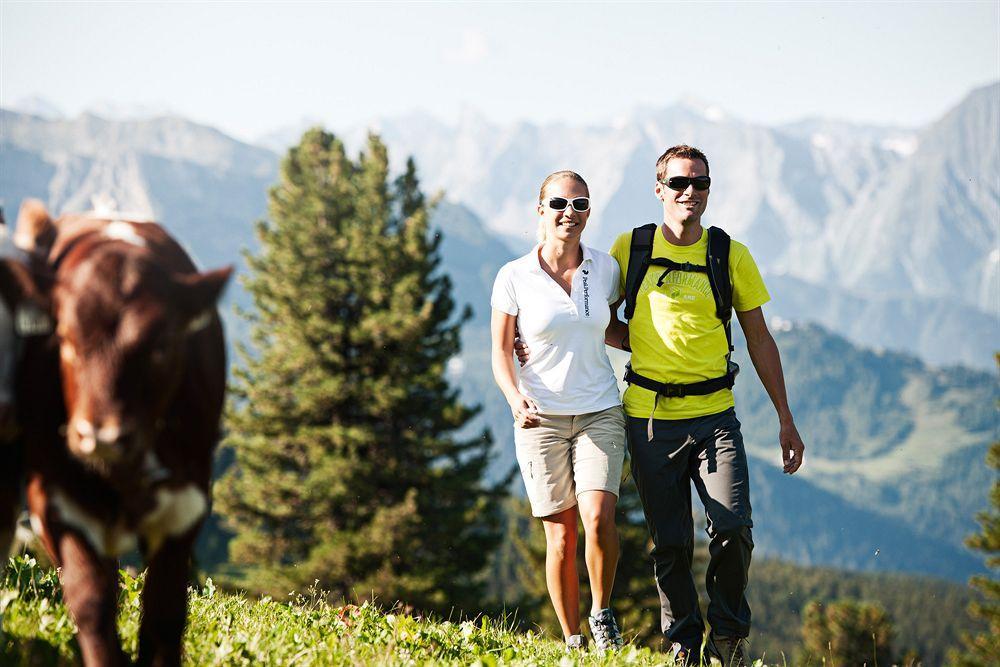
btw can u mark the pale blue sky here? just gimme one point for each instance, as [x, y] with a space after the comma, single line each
[252, 67]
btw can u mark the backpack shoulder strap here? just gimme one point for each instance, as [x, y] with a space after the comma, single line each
[717, 260]
[638, 261]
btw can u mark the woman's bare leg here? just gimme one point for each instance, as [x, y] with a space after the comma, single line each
[560, 568]
[597, 509]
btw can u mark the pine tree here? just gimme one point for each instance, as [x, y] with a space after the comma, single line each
[847, 632]
[349, 471]
[984, 648]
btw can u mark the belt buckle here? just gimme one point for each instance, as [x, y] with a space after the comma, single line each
[672, 391]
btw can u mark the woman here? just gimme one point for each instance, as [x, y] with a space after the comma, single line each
[569, 427]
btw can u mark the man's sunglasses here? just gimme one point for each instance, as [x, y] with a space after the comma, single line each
[681, 183]
[580, 204]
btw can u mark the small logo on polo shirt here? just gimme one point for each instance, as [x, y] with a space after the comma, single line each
[586, 295]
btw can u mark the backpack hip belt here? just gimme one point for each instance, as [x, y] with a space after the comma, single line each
[677, 390]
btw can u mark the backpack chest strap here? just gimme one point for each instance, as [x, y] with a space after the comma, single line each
[670, 265]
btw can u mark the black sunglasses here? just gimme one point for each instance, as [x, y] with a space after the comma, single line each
[681, 183]
[580, 204]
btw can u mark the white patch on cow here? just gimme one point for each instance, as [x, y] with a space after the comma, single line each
[107, 540]
[23, 536]
[36, 525]
[120, 230]
[200, 321]
[175, 512]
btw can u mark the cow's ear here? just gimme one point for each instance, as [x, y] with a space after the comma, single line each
[34, 232]
[199, 293]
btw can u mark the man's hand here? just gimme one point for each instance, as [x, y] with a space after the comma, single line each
[792, 448]
[525, 411]
[522, 351]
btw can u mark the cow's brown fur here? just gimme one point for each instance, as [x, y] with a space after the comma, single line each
[124, 360]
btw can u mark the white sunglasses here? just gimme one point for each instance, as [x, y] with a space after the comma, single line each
[580, 204]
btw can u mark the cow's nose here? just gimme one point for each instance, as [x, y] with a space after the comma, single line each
[109, 433]
[103, 441]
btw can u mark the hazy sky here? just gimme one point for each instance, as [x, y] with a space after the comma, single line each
[253, 67]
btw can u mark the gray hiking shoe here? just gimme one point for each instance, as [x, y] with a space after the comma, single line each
[576, 643]
[730, 651]
[604, 629]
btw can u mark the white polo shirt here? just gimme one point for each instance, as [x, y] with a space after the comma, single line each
[568, 371]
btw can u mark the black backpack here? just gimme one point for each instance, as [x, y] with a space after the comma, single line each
[717, 268]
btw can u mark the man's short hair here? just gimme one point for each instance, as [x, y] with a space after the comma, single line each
[681, 150]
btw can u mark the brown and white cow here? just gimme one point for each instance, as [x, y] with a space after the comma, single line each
[121, 411]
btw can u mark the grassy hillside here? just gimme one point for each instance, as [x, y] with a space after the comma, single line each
[305, 628]
[230, 629]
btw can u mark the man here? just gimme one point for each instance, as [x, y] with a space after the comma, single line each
[682, 425]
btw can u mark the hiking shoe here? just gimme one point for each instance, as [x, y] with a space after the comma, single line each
[604, 629]
[727, 650]
[576, 643]
[683, 656]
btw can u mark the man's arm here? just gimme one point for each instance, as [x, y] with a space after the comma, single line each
[767, 362]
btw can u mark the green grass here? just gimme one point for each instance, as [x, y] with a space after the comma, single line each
[232, 629]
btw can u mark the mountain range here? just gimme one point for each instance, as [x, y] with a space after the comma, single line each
[885, 237]
[889, 235]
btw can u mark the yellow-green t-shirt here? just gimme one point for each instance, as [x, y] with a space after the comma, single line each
[675, 334]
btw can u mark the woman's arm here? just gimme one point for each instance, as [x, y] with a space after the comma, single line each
[502, 355]
[616, 335]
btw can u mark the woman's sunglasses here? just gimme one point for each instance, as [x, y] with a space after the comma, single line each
[580, 204]
[681, 183]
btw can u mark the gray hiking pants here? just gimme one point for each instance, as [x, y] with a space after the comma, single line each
[708, 451]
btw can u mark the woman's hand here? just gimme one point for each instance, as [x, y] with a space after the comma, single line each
[524, 410]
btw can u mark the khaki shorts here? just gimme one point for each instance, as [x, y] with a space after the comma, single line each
[566, 455]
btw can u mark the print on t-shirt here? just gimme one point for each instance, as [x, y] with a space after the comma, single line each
[676, 283]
